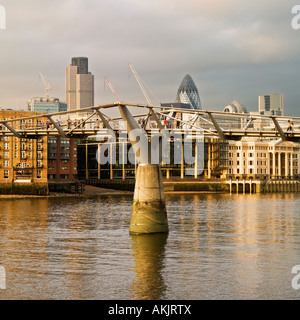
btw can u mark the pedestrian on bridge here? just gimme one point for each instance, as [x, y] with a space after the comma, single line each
[290, 127]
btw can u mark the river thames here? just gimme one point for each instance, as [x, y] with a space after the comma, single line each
[220, 246]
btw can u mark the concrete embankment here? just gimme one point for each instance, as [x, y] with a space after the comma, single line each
[169, 186]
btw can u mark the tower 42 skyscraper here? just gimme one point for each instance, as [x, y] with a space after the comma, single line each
[79, 84]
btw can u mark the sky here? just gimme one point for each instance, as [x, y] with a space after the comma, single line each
[233, 49]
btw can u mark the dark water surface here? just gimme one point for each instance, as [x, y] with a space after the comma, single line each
[220, 246]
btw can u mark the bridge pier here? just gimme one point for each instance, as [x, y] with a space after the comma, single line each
[149, 214]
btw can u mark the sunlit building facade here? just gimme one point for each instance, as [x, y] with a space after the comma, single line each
[263, 159]
[79, 85]
[30, 165]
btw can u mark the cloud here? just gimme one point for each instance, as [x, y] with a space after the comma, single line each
[163, 39]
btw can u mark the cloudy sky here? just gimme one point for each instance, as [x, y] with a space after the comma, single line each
[233, 49]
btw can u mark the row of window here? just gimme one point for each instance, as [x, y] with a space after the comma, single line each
[62, 168]
[250, 163]
[23, 146]
[259, 171]
[23, 155]
[6, 163]
[38, 174]
[248, 148]
[250, 155]
[61, 176]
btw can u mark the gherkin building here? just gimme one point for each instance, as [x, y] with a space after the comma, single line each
[188, 93]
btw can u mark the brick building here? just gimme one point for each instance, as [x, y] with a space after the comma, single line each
[29, 165]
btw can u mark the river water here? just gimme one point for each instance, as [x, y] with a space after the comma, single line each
[220, 246]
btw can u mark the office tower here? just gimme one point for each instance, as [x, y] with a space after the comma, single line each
[188, 93]
[79, 84]
[44, 105]
[82, 63]
[271, 104]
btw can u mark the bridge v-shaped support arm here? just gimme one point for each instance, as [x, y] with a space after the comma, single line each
[149, 214]
[216, 125]
[58, 128]
[105, 122]
[136, 134]
[11, 130]
[279, 129]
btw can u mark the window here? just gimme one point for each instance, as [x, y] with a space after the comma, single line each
[64, 168]
[6, 146]
[6, 154]
[39, 174]
[6, 163]
[5, 174]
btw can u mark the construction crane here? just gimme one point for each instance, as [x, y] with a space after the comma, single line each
[46, 84]
[139, 81]
[111, 88]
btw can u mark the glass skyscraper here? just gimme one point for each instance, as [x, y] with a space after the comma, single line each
[188, 93]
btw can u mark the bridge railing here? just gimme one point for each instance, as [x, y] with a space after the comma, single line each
[214, 123]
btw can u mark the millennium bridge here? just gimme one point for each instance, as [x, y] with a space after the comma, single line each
[149, 213]
[226, 126]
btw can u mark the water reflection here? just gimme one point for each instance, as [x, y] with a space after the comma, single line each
[148, 252]
[220, 246]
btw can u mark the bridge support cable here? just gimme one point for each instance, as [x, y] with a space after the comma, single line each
[188, 124]
[248, 124]
[194, 120]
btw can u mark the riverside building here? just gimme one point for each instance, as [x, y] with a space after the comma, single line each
[213, 157]
[31, 165]
[265, 159]
[46, 105]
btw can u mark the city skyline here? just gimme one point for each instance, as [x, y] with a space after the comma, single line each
[232, 50]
